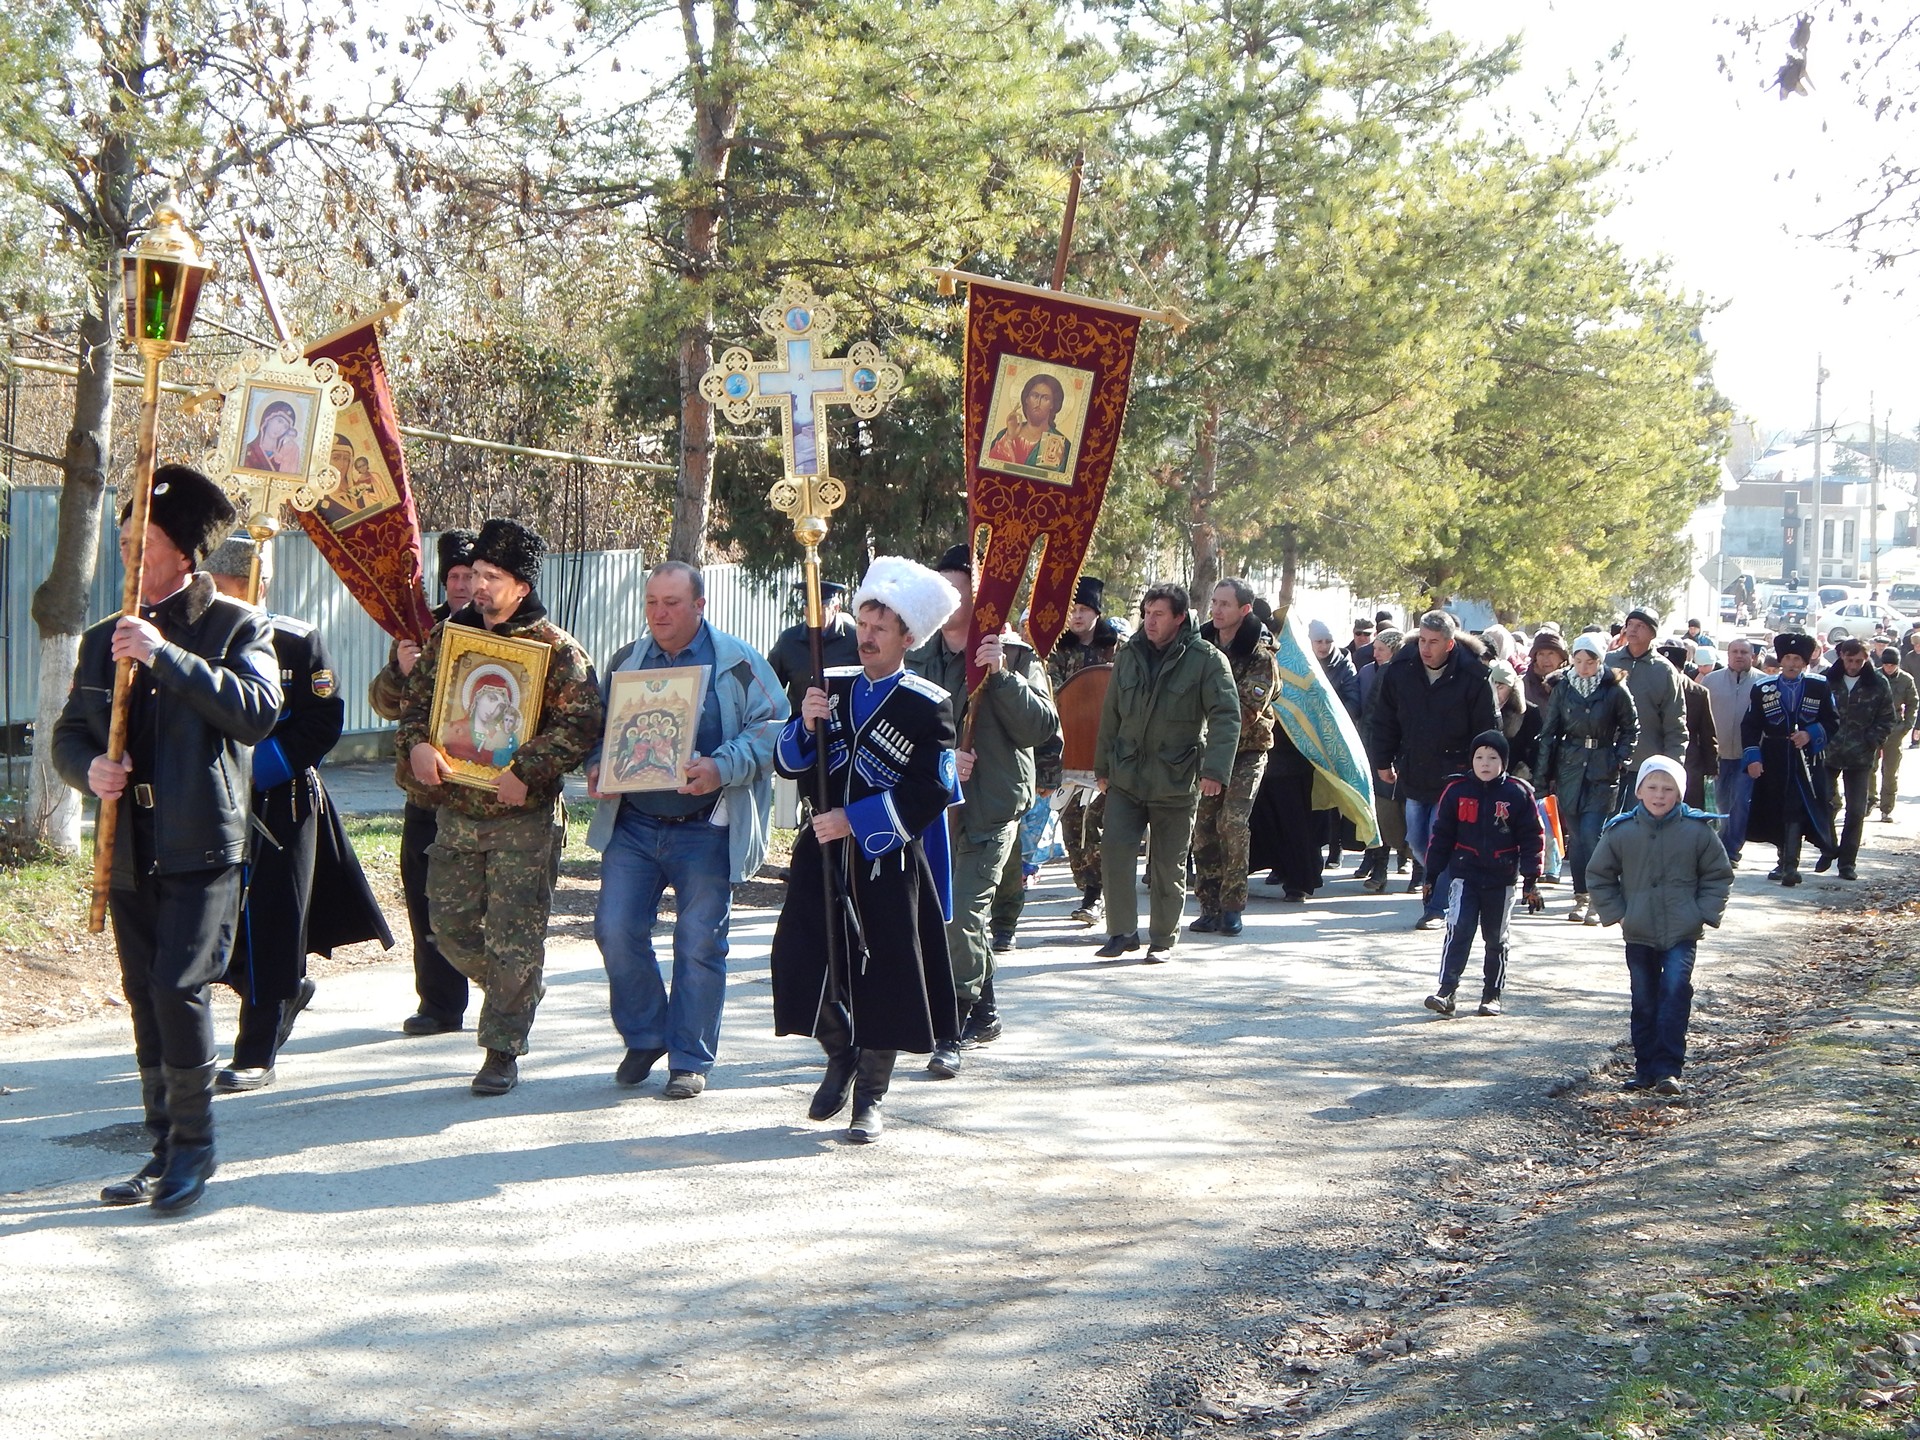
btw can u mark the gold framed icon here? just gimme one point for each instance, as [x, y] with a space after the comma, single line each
[486, 701]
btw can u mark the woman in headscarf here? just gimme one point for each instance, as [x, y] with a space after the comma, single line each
[1586, 739]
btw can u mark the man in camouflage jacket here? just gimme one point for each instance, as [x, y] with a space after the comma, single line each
[1864, 701]
[442, 990]
[1222, 825]
[496, 858]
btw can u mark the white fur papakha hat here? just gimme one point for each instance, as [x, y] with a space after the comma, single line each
[920, 597]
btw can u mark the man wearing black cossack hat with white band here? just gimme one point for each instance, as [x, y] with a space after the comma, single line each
[205, 689]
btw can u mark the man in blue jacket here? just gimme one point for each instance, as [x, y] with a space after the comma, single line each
[703, 839]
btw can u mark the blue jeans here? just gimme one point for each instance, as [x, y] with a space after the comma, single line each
[1662, 1005]
[1583, 833]
[1419, 836]
[1733, 797]
[644, 857]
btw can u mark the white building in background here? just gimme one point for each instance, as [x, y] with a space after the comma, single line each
[1846, 537]
[1709, 573]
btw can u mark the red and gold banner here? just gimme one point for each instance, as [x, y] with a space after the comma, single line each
[1045, 383]
[368, 528]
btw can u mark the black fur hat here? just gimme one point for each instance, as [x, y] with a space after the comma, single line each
[1090, 592]
[456, 548]
[511, 546]
[1793, 643]
[958, 559]
[190, 509]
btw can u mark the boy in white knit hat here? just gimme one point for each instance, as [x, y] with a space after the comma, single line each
[1662, 875]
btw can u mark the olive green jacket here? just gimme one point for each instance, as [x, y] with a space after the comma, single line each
[1012, 714]
[1164, 730]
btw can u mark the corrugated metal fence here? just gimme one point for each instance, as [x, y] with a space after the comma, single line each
[596, 595]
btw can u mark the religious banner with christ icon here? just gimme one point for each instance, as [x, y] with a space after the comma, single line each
[368, 529]
[1045, 385]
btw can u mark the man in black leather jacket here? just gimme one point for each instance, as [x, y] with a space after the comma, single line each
[205, 690]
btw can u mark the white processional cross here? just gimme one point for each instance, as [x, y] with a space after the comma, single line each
[801, 389]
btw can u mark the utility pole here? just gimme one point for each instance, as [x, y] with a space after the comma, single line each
[1819, 539]
[1873, 505]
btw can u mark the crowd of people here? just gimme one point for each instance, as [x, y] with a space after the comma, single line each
[1630, 765]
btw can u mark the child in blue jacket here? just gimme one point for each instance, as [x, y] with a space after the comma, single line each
[1486, 827]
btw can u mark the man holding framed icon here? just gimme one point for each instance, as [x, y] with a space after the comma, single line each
[496, 858]
[684, 781]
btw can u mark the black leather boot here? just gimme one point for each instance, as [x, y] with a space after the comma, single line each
[1790, 855]
[189, 1139]
[870, 1081]
[983, 1021]
[138, 1189]
[837, 1084]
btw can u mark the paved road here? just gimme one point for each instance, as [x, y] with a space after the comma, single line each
[381, 1249]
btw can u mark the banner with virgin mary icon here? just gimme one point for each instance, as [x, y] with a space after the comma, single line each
[1045, 385]
[367, 527]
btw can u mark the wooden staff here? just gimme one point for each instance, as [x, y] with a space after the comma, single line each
[106, 827]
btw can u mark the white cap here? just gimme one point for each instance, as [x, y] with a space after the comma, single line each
[1591, 644]
[1661, 765]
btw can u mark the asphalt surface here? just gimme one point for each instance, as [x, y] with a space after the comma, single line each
[383, 1253]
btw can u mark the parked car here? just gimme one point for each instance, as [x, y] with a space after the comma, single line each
[1789, 610]
[1862, 619]
[1904, 596]
[1831, 595]
[1729, 609]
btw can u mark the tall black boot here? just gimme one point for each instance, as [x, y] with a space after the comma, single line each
[870, 1082]
[836, 1038]
[138, 1188]
[983, 1021]
[1790, 854]
[189, 1138]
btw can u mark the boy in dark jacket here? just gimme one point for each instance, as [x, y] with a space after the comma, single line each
[1486, 827]
[1661, 874]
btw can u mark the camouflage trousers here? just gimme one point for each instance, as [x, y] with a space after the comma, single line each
[489, 892]
[1221, 832]
[1081, 822]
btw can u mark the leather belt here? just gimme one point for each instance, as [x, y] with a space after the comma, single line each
[700, 814]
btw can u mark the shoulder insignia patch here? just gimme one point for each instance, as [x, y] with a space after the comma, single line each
[323, 684]
[920, 685]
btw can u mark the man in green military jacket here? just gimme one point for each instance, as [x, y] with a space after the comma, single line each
[998, 729]
[1169, 731]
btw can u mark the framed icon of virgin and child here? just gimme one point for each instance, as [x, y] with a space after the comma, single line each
[486, 701]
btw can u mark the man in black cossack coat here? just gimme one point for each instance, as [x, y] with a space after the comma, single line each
[891, 776]
[205, 690]
[305, 891]
[1790, 720]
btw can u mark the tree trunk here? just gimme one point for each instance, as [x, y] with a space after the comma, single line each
[1202, 537]
[1289, 563]
[60, 604]
[716, 120]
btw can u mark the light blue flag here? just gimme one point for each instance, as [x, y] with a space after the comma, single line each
[1320, 729]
